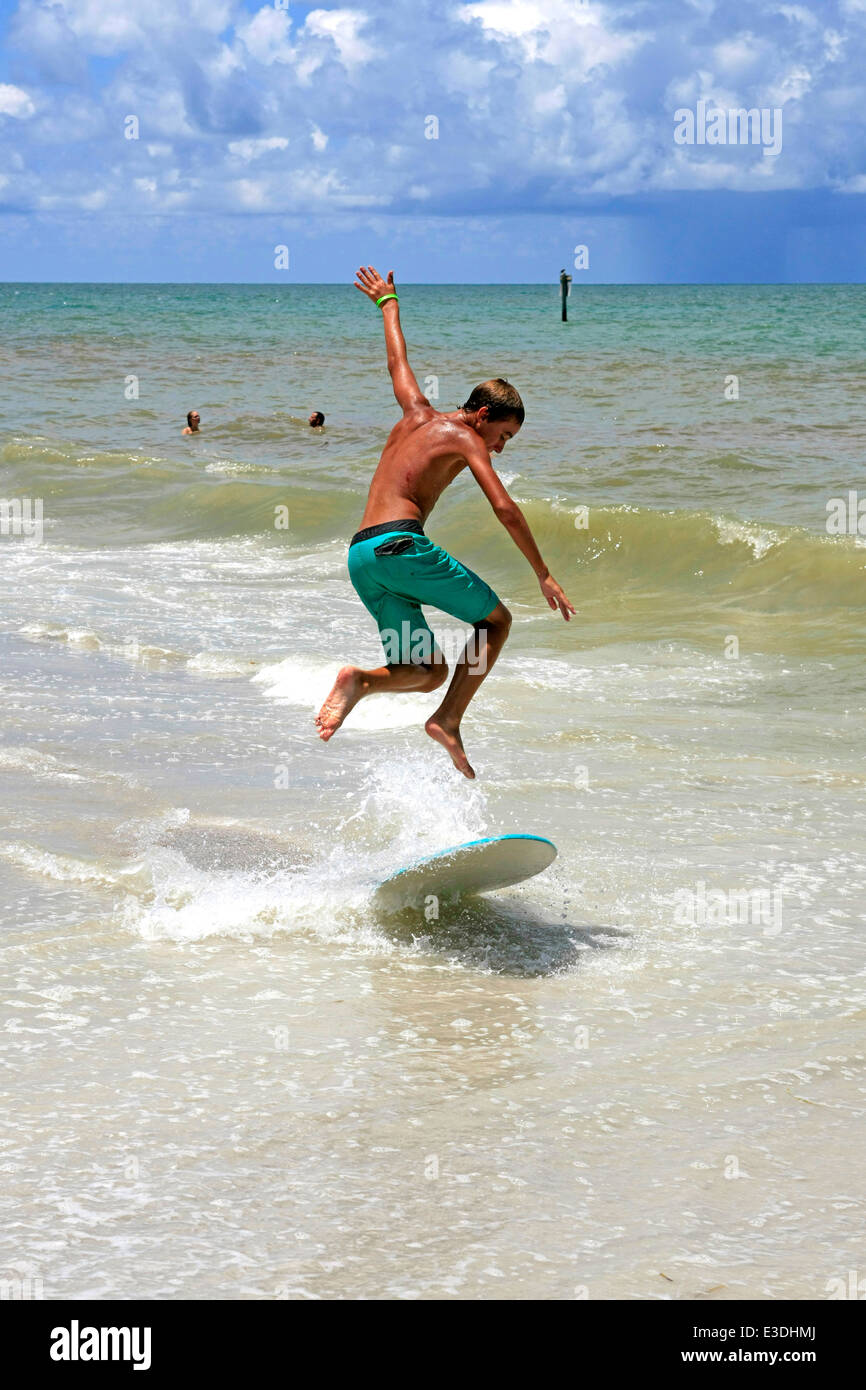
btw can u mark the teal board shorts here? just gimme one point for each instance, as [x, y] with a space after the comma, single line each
[395, 568]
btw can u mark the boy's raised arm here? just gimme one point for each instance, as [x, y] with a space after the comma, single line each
[406, 389]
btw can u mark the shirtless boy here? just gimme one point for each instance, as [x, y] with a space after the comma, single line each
[395, 568]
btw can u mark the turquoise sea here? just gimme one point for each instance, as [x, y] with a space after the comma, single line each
[632, 1077]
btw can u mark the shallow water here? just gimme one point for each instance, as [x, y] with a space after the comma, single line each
[226, 1076]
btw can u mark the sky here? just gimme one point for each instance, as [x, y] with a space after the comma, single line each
[186, 140]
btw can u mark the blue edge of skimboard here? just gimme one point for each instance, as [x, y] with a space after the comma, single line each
[470, 844]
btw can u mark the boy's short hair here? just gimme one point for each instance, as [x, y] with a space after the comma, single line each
[500, 398]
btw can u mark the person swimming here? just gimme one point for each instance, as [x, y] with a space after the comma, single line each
[317, 419]
[394, 567]
[193, 420]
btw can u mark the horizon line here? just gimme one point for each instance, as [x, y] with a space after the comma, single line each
[458, 284]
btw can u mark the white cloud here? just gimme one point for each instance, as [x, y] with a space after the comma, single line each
[574, 37]
[554, 99]
[536, 99]
[266, 36]
[735, 55]
[512, 18]
[111, 26]
[790, 86]
[15, 102]
[85, 202]
[798, 14]
[342, 26]
[254, 149]
[161, 110]
[331, 189]
[834, 45]
[224, 62]
[468, 74]
[252, 194]
[108, 25]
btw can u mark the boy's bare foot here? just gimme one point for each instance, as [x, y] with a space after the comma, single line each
[449, 736]
[347, 691]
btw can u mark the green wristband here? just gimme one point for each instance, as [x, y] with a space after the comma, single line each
[380, 302]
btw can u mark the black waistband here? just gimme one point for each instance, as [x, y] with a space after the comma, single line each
[414, 526]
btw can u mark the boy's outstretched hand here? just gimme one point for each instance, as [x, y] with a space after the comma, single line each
[372, 285]
[555, 597]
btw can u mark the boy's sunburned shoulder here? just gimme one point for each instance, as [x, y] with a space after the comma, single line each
[439, 429]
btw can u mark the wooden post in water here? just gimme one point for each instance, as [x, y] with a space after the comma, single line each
[565, 291]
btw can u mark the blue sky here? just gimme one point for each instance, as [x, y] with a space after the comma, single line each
[308, 126]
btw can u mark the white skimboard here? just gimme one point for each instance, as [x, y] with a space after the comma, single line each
[478, 867]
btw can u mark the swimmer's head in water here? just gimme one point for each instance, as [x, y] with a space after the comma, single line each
[193, 419]
[317, 418]
[498, 412]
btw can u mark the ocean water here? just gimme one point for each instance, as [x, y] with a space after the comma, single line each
[640, 1075]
